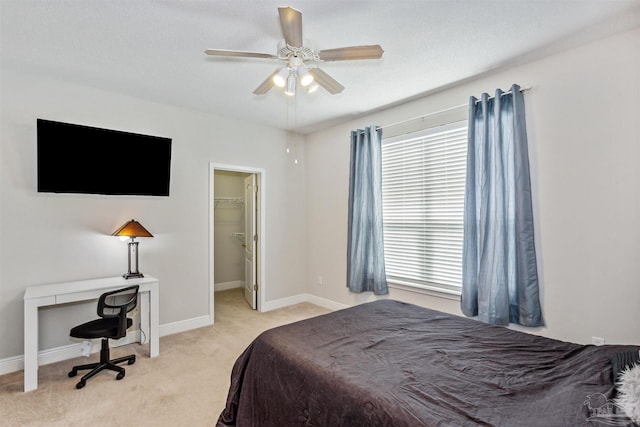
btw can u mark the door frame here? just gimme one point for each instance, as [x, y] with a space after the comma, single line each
[261, 182]
[250, 247]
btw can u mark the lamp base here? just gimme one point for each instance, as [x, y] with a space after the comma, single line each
[132, 275]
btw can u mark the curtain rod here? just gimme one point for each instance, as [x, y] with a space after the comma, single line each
[424, 116]
[522, 89]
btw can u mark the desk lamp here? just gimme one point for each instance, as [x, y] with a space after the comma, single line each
[132, 229]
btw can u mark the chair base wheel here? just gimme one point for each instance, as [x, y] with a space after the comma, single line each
[105, 363]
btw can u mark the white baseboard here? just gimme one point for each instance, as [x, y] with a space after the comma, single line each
[183, 326]
[297, 299]
[326, 303]
[11, 364]
[228, 285]
[70, 351]
[58, 354]
[284, 302]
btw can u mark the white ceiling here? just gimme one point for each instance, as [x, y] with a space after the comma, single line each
[155, 49]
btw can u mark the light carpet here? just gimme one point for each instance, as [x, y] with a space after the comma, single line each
[186, 385]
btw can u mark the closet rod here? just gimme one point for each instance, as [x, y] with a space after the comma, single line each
[424, 116]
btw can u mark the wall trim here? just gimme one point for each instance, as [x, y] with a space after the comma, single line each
[297, 299]
[65, 352]
[70, 351]
[284, 302]
[12, 364]
[326, 303]
[183, 326]
[228, 285]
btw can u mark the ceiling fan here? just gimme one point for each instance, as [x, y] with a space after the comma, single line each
[301, 60]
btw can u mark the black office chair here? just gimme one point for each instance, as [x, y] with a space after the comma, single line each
[113, 323]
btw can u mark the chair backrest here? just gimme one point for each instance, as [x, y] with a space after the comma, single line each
[117, 304]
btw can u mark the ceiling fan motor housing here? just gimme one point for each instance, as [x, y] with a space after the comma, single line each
[285, 52]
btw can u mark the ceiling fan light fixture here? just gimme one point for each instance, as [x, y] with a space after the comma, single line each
[305, 76]
[291, 85]
[312, 87]
[281, 77]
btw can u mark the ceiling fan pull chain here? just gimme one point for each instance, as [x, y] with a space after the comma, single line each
[287, 126]
[295, 127]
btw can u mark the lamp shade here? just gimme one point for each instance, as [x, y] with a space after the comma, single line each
[132, 229]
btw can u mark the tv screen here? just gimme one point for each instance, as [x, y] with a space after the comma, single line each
[88, 160]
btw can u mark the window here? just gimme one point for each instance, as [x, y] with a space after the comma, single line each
[423, 179]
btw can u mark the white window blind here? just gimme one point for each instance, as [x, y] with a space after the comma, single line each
[423, 178]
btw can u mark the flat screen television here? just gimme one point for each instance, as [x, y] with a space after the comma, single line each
[87, 160]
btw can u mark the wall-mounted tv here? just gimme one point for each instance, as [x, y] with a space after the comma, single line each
[88, 160]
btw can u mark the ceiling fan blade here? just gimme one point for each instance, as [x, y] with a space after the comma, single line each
[238, 53]
[291, 23]
[266, 85]
[326, 81]
[350, 53]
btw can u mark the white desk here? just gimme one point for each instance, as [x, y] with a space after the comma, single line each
[63, 293]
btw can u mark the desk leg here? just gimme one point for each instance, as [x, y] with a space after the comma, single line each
[30, 345]
[154, 320]
[145, 336]
[149, 319]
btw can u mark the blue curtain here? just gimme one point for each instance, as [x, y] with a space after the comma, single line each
[499, 271]
[365, 252]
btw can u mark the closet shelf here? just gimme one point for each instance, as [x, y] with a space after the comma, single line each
[230, 200]
[239, 236]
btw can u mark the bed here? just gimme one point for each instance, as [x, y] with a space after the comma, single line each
[388, 363]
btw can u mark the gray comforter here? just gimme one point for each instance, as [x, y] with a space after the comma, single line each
[388, 363]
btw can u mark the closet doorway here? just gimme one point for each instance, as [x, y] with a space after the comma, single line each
[237, 245]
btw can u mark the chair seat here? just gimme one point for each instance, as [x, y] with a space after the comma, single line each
[99, 328]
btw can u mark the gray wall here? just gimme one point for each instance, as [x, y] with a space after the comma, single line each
[584, 146]
[49, 238]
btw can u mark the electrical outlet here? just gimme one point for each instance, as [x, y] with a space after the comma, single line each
[86, 348]
[319, 280]
[597, 341]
